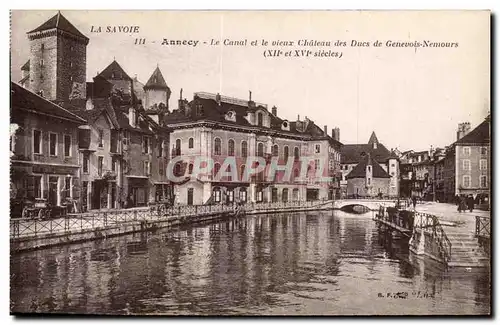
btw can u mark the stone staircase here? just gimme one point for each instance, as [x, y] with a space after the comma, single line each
[466, 251]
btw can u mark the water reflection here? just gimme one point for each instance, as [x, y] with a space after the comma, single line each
[304, 263]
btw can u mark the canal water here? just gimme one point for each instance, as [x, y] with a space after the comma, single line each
[315, 263]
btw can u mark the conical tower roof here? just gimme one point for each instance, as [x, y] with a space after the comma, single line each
[59, 22]
[373, 138]
[156, 81]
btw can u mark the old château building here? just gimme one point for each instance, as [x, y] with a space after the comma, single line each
[216, 127]
[365, 159]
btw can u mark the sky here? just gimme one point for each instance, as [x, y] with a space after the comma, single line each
[412, 99]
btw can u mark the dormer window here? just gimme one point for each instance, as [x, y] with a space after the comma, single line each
[113, 75]
[259, 119]
[363, 154]
[199, 110]
[285, 126]
[231, 116]
[375, 145]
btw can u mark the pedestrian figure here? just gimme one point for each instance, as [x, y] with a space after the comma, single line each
[470, 203]
[414, 199]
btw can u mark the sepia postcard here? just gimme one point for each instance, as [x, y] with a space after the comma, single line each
[250, 163]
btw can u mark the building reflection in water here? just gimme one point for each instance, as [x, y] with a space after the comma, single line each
[307, 262]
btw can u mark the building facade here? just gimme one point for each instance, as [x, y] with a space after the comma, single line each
[44, 149]
[228, 131]
[353, 155]
[467, 163]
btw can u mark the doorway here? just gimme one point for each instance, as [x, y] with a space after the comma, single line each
[52, 200]
[190, 196]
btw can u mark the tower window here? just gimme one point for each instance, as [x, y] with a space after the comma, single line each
[70, 78]
[41, 62]
[42, 47]
[71, 64]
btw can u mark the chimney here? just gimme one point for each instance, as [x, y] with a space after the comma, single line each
[336, 131]
[181, 101]
[131, 116]
[325, 130]
[298, 117]
[217, 99]
[463, 129]
[251, 103]
[274, 111]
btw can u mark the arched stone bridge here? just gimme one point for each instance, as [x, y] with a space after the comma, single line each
[372, 204]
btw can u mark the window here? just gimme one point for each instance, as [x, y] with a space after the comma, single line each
[41, 62]
[178, 147]
[275, 150]
[284, 195]
[393, 165]
[67, 146]
[368, 181]
[67, 186]
[37, 186]
[191, 143]
[484, 151]
[160, 168]
[483, 181]
[230, 147]
[52, 144]
[285, 153]
[466, 151]
[242, 172]
[296, 153]
[113, 164]
[177, 169]
[146, 142]
[199, 110]
[369, 169]
[230, 196]
[147, 168]
[317, 148]
[100, 138]
[296, 173]
[483, 164]
[260, 149]
[190, 169]
[466, 181]
[259, 119]
[244, 149]
[86, 163]
[243, 194]
[466, 164]
[216, 170]
[216, 194]
[99, 165]
[217, 147]
[316, 164]
[259, 196]
[37, 141]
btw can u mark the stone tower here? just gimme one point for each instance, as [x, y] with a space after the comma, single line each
[156, 90]
[58, 60]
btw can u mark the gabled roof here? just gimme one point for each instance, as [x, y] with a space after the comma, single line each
[353, 153]
[26, 66]
[114, 72]
[59, 22]
[215, 112]
[359, 171]
[480, 135]
[21, 98]
[156, 81]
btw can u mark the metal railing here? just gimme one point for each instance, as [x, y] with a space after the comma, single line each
[401, 218]
[102, 219]
[483, 227]
[430, 223]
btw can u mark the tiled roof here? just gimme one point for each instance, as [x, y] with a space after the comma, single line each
[114, 71]
[24, 99]
[212, 111]
[59, 22]
[26, 66]
[359, 171]
[480, 135]
[352, 153]
[156, 81]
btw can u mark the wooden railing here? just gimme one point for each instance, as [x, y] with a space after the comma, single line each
[483, 227]
[430, 223]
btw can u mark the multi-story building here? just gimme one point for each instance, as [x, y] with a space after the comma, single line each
[467, 162]
[44, 148]
[358, 157]
[217, 128]
[124, 151]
